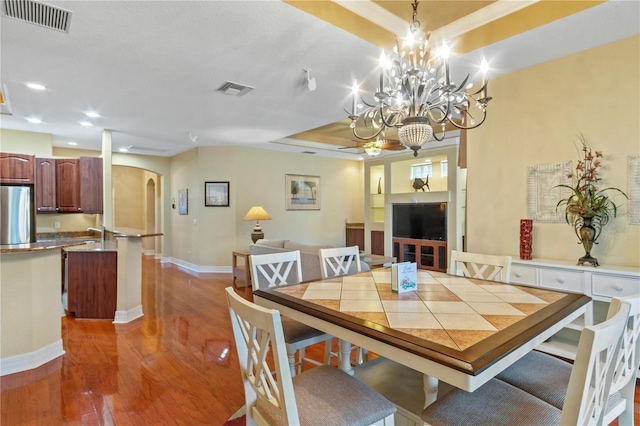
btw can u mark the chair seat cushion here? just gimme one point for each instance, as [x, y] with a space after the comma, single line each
[295, 331]
[541, 375]
[328, 396]
[495, 403]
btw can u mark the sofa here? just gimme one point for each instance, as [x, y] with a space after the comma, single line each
[309, 255]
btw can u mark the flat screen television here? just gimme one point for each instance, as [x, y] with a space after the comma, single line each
[425, 221]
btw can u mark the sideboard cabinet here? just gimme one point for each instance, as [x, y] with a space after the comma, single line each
[600, 283]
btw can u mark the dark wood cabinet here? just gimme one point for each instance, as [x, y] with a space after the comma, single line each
[377, 242]
[79, 185]
[355, 235]
[427, 254]
[45, 186]
[91, 184]
[68, 185]
[92, 283]
[17, 168]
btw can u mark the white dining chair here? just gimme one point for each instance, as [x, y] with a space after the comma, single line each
[320, 396]
[276, 269]
[547, 377]
[481, 266]
[500, 403]
[337, 262]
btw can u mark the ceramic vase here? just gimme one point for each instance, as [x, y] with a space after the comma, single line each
[587, 234]
[526, 242]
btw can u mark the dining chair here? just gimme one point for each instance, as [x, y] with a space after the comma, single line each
[481, 266]
[547, 377]
[500, 403]
[276, 269]
[337, 262]
[323, 395]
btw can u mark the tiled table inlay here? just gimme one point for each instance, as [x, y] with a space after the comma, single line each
[455, 312]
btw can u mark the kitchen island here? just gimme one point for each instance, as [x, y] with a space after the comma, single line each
[30, 294]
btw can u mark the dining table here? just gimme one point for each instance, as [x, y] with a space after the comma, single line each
[458, 330]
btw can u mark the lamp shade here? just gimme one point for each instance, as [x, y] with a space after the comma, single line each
[257, 213]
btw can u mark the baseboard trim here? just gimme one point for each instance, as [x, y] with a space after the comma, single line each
[194, 269]
[123, 317]
[31, 360]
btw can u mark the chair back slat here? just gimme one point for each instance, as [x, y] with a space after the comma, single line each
[628, 360]
[257, 332]
[336, 262]
[481, 266]
[592, 372]
[275, 269]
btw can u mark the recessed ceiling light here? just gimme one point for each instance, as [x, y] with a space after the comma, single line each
[34, 120]
[72, 143]
[92, 114]
[36, 86]
[86, 124]
[123, 149]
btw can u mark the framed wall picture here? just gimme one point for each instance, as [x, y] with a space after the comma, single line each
[302, 192]
[543, 193]
[183, 201]
[216, 194]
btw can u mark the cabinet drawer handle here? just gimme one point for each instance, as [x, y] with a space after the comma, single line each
[618, 287]
[561, 280]
[518, 274]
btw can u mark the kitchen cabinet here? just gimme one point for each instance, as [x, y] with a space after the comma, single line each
[79, 185]
[45, 186]
[67, 185]
[91, 281]
[91, 184]
[17, 168]
[428, 254]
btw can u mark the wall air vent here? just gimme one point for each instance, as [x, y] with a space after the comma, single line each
[235, 89]
[37, 13]
[144, 148]
[309, 152]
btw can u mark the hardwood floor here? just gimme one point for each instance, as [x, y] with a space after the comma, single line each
[175, 366]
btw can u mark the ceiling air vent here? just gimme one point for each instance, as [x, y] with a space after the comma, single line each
[309, 152]
[37, 13]
[235, 89]
[142, 148]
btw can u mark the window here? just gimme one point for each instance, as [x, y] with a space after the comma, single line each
[421, 171]
[444, 168]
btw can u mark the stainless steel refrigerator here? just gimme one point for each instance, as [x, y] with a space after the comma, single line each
[17, 214]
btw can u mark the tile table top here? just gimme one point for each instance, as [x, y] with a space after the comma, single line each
[447, 314]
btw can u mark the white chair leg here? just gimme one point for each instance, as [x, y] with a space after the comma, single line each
[328, 345]
[301, 364]
[291, 355]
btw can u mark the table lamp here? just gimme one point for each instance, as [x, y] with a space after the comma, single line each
[257, 213]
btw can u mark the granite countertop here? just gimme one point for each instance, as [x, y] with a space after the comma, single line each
[76, 241]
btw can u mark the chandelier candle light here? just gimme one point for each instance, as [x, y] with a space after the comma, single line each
[415, 91]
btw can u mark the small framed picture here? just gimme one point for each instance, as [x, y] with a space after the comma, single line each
[302, 192]
[183, 201]
[216, 194]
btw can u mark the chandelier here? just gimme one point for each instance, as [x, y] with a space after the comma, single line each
[415, 92]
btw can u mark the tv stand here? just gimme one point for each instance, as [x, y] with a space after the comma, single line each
[428, 254]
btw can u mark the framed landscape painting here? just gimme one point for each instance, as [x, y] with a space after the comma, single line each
[216, 194]
[302, 192]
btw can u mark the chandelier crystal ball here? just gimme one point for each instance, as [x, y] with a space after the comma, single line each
[415, 93]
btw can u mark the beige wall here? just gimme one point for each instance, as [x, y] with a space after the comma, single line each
[535, 118]
[31, 143]
[129, 197]
[207, 235]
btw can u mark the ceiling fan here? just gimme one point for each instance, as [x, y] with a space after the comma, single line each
[374, 147]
